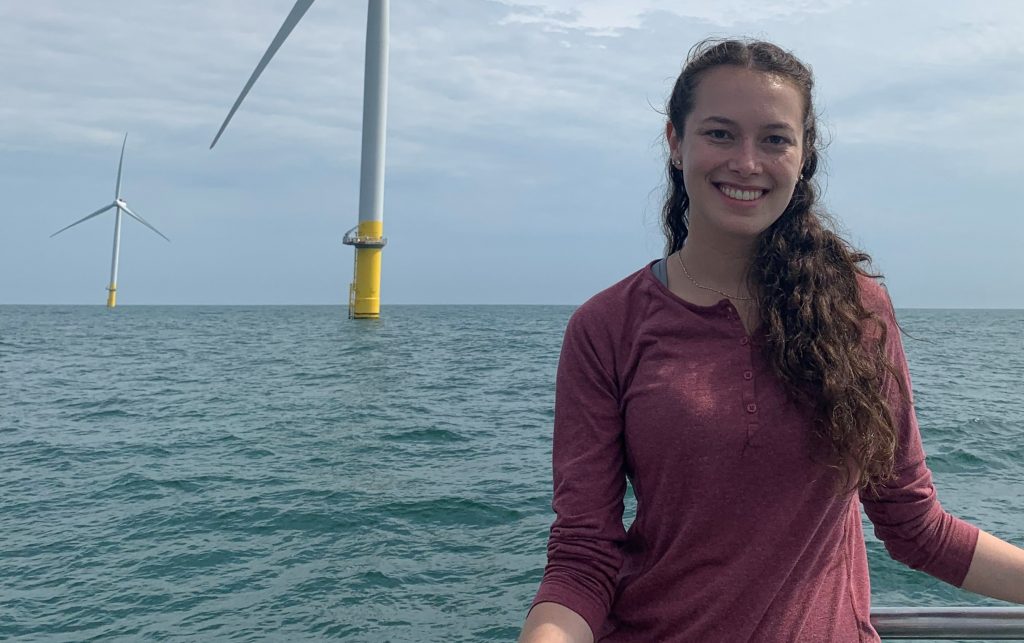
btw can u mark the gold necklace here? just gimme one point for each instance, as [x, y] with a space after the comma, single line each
[679, 255]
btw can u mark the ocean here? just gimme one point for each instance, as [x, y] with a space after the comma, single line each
[286, 474]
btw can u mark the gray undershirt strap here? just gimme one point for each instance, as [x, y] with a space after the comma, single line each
[660, 269]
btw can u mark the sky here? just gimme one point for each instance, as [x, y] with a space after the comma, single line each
[525, 159]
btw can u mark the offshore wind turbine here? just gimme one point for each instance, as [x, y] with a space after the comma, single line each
[119, 206]
[368, 235]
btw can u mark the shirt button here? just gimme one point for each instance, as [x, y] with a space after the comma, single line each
[748, 375]
[744, 341]
[751, 408]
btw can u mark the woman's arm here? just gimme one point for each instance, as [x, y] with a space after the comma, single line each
[905, 509]
[910, 521]
[554, 623]
[589, 484]
[997, 570]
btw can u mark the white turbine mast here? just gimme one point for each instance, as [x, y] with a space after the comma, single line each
[367, 236]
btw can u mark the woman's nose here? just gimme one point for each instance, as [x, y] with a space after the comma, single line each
[745, 161]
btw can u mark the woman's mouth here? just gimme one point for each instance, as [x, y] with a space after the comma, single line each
[741, 194]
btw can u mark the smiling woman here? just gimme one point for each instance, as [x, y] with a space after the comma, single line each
[754, 391]
[741, 153]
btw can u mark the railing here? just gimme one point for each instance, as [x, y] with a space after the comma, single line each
[353, 238]
[978, 623]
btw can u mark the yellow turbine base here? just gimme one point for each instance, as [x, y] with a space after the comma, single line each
[111, 296]
[366, 280]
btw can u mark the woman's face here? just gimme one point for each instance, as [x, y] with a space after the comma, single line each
[741, 151]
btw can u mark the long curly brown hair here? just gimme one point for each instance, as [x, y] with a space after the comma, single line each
[805, 276]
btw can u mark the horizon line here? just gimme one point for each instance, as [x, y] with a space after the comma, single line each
[343, 306]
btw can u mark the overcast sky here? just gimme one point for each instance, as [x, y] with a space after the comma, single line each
[524, 160]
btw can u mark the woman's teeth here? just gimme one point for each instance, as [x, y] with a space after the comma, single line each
[740, 195]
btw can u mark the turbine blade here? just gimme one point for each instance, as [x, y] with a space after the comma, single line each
[85, 218]
[143, 221]
[299, 10]
[117, 190]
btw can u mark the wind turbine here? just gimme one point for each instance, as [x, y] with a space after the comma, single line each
[368, 236]
[120, 206]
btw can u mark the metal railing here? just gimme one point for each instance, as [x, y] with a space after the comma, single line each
[353, 238]
[978, 623]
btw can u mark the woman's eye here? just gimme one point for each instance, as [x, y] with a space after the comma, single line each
[718, 134]
[775, 139]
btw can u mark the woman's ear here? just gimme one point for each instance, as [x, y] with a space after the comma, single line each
[674, 155]
[671, 137]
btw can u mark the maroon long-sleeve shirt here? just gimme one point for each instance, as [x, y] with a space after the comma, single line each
[739, 535]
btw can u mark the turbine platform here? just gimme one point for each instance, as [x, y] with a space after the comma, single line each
[353, 238]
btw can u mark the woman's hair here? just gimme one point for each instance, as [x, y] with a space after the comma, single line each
[805, 276]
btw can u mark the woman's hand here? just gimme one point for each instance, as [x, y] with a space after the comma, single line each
[554, 623]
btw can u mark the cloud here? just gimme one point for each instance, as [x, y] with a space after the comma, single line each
[961, 124]
[611, 17]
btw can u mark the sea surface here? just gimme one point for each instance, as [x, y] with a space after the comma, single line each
[287, 474]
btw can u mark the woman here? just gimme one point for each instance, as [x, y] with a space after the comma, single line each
[752, 386]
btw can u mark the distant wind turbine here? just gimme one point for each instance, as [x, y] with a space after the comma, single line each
[368, 236]
[120, 205]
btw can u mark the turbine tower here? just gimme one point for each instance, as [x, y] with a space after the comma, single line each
[120, 206]
[368, 235]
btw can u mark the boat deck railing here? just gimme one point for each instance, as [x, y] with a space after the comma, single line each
[965, 623]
